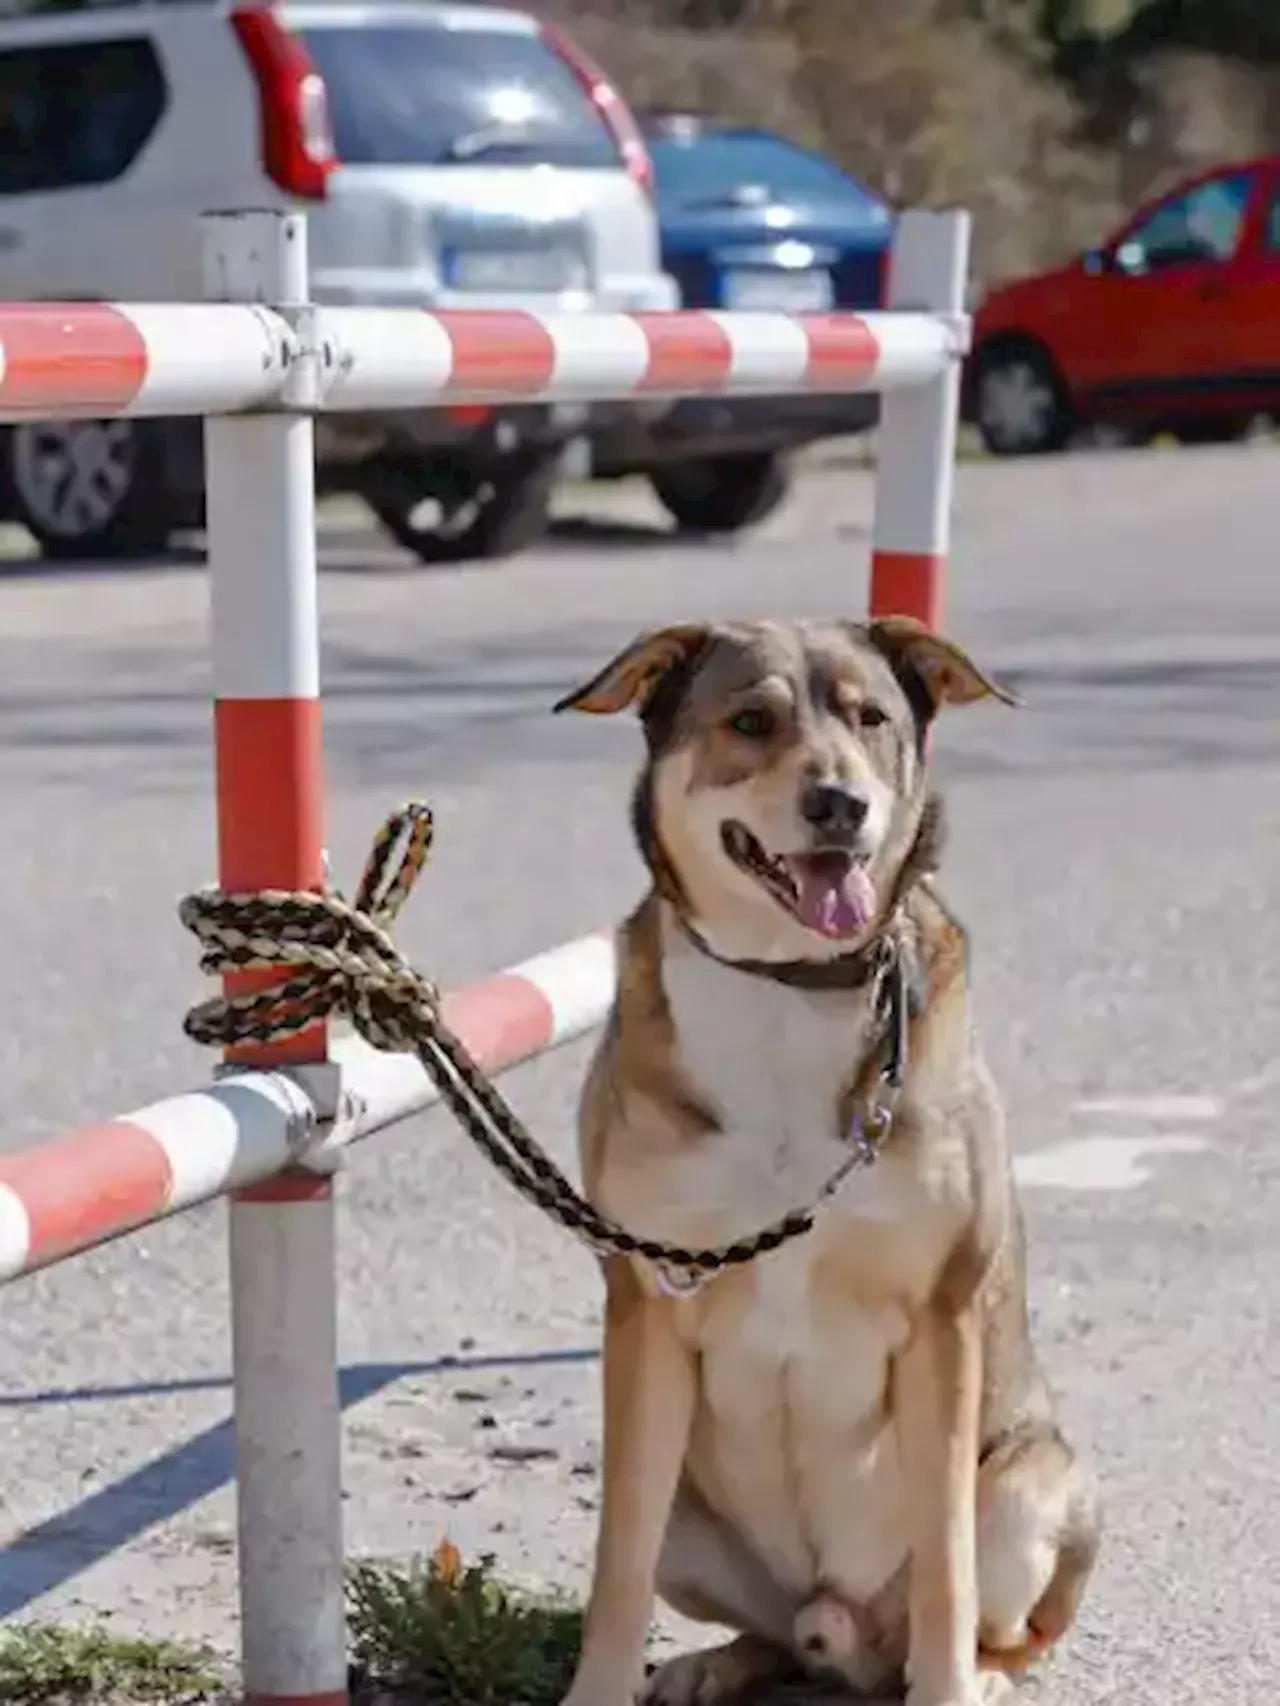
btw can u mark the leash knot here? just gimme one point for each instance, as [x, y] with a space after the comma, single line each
[339, 953]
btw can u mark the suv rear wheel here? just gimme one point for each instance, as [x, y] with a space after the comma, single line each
[90, 488]
[446, 510]
[723, 494]
[1020, 404]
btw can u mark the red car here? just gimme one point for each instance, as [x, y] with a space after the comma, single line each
[1173, 325]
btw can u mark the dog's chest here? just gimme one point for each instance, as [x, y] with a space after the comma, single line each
[772, 1058]
[795, 1352]
[774, 1064]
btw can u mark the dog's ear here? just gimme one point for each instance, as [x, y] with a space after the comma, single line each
[633, 676]
[929, 662]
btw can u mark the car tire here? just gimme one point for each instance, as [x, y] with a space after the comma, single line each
[481, 513]
[1019, 402]
[723, 494]
[86, 489]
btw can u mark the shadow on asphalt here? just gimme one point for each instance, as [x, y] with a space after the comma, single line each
[42, 1558]
[1248, 672]
[569, 533]
[591, 531]
[183, 555]
[1091, 715]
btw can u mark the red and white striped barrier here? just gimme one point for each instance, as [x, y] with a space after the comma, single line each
[78, 360]
[89, 1186]
[90, 359]
[385, 358]
[270, 1131]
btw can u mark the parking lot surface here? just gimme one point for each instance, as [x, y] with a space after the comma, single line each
[1114, 850]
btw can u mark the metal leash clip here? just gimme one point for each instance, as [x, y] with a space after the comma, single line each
[867, 1133]
[678, 1282]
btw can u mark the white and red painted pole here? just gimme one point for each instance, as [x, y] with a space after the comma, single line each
[911, 535]
[260, 481]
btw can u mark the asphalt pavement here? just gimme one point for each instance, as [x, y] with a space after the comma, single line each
[1114, 850]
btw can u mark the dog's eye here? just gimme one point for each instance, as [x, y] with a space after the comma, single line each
[754, 723]
[872, 716]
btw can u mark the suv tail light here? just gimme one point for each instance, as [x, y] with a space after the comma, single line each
[613, 110]
[297, 139]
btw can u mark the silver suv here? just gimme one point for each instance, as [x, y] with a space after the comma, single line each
[447, 156]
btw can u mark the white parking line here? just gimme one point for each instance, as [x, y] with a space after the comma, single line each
[1158, 1107]
[1099, 1162]
[1258, 1083]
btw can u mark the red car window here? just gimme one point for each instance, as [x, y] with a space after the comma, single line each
[1199, 224]
[1271, 230]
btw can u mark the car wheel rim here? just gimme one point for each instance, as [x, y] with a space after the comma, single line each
[431, 518]
[1017, 405]
[73, 476]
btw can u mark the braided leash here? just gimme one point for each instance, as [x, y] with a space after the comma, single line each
[340, 960]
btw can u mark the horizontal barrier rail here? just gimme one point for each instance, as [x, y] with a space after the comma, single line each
[83, 1189]
[86, 359]
[78, 360]
[386, 358]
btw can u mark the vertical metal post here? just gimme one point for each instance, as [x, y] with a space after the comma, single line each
[912, 531]
[260, 480]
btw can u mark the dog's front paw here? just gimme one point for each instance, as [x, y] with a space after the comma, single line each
[714, 1675]
[597, 1697]
[595, 1691]
[990, 1689]
[953, 1697]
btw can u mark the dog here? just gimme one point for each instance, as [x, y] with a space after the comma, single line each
[844, 1451]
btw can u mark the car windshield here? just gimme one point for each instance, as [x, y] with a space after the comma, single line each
[423, 94]
[717, 166]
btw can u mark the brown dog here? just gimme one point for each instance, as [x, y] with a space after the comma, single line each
[845, 1451]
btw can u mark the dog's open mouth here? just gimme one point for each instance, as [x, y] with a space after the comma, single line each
[828, 890]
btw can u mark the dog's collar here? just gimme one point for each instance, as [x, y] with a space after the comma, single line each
[844, 971]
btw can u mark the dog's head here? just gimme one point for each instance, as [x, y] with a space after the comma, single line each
[785, 777]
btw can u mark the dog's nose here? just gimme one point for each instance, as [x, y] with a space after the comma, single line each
[834, 807]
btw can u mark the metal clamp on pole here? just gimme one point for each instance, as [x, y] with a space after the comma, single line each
[320, 1110]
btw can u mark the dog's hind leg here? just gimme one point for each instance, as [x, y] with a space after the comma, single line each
[708, 1574]
[1039, 1529]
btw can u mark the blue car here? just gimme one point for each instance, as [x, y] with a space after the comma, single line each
[749, 220]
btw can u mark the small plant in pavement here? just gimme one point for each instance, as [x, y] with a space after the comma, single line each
[450, 1634]
[45, 1664]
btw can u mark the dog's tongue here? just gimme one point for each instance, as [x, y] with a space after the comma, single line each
[836, 898]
